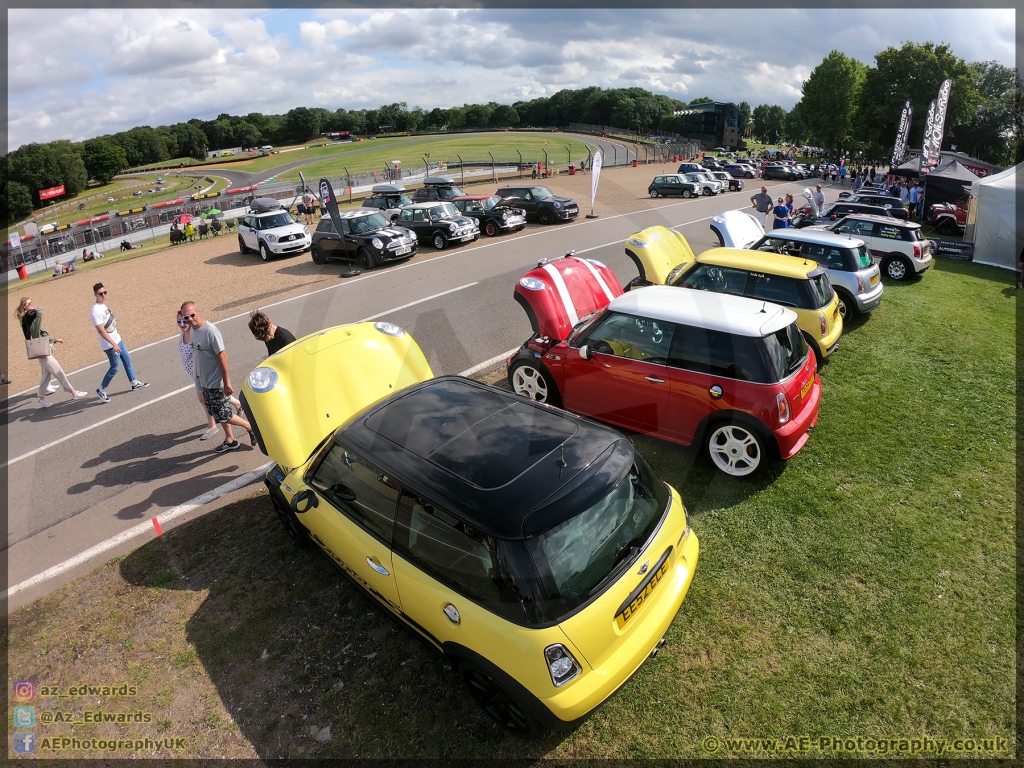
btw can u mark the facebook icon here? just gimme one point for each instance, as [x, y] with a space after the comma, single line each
[24, 742]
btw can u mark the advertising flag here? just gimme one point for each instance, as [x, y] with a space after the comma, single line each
[595, 171]
[46, 194]
[899, 150]
[934, 127]
[328, 201]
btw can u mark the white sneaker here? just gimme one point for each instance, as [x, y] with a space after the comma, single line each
[209, 433]
[43, 403]
[54, 386]
[78, 394]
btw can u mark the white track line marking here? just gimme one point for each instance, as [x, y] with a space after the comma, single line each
[144, 527]
[185, 389]
[83, 430]
[488, 363]
[384, 272]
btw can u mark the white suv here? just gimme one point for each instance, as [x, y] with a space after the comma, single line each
[897, 246]
[708, 185]
[269, 229]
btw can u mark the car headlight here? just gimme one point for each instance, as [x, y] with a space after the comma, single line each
[305, 230]
[377, 243]
[531, 283]
[390, 329]
[272, 238]
[636, 242]
[557, 205]
[562, 666]
[262, 380]
[453, 226]
[410, 234]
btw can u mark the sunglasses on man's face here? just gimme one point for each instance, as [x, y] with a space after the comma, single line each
[101, 293]
[188, 317]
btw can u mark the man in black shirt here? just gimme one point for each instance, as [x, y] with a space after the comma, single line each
[275, 337]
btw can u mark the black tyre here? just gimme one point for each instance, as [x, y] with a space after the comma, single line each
[439, 241]
[497, 702]
[545, 216]
[897, 268]
[947, 226]
[366, 259]
[289, 521]
[847, 306]
[687, 193]
[654, 193]
[708, 192]
[318, 255]
[264, 252]
[242, 248]
[491, 229]
[736, 448]
[530, 379]
[748, 175]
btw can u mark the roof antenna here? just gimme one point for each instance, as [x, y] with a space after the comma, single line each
[560, 461]
[763, 305]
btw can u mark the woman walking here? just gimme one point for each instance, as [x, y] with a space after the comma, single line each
[31, 320]
[188, 360]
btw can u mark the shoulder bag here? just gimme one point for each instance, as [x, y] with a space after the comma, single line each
[38, 347]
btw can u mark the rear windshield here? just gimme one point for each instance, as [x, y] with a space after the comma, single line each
[914, 234]
[787, 351]
[820, 290]
[861, 257]
[578, 558]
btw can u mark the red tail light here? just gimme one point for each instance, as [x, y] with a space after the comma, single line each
[783, 403]
[860, 284]
[917, 251]
[824, 325]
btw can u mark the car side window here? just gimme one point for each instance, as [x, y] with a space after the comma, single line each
[777, 289]
[406, 216]
[716, 353]
[325, 225]
[634, 338]
[823, 254]
[358, 490]
[346, 226]
[419, 216]
[709, 277]
[454, 551]
[887, 232]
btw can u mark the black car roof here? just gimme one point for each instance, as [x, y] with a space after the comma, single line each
[491, 458]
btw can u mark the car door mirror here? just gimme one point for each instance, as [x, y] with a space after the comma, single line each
[304, 501]
[342, 492]
[585, 352]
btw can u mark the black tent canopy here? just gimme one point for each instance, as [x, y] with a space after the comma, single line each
[947, 182]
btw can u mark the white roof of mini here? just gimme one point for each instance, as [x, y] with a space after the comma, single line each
[704, 309]
[817, 236]
[357, 213]
[890, 220]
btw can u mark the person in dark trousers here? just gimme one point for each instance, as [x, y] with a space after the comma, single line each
[274, 336]
[211, 369]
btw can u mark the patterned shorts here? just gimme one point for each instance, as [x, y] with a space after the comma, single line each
[218, 405]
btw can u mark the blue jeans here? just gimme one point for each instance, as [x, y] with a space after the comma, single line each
[116, 355]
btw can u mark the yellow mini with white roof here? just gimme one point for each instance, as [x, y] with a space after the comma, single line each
[535, 549]
[664, 257]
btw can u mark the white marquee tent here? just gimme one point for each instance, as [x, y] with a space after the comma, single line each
[993, 217]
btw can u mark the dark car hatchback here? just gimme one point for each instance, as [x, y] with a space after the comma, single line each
[541, 203]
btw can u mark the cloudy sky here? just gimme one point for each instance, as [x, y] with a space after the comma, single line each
[77, 74]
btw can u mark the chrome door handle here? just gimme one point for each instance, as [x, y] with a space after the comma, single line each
[655, 379]
[377, 567]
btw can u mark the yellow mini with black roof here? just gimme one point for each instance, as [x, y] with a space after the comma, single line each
[535, 549]
[664, 257]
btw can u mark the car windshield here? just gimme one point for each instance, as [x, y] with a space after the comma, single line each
[490, 202]
[541, 193]
[444, 211]
[575, 558]
[369, 223]
[786, 349]
[861, 257]
[282, 219]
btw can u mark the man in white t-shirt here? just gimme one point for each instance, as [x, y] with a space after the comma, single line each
[110, 342]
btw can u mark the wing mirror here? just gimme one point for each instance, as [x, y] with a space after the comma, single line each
[585, 352]
[303, 501]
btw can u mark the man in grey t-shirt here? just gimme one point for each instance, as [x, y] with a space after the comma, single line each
[211, 370]
[762, 204]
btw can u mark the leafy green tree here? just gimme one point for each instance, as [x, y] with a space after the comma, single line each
[768, 122]
[192, 140]
[302, 123]
[19, 200]
[72, 169]
[34, 166]
[701, 100]
[478, 115]
[504, 116]
[104, 159]
[990, 136]
[247, 134]
[830, 100]
[744, 123]
[793, 129]
[914, 71]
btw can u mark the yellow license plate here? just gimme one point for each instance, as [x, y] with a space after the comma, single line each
[874, 279]
[806, 388]
[642, 594]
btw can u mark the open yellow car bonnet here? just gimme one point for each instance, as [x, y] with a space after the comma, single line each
[303, 393]
[656, 251]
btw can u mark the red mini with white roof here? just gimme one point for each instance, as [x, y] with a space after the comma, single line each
[683, 365]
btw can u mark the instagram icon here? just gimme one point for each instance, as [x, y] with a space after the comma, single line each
[24, 690]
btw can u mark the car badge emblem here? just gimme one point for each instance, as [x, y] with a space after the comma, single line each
[643, 568]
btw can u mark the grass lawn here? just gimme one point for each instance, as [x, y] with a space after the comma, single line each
[864, 590]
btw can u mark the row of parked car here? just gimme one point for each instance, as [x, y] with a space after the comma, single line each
[532, 546]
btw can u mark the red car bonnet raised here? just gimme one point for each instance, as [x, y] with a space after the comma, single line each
[559, 293]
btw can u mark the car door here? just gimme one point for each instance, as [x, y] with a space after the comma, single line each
[247, 231]
[354, 520]
[526, 201]
[626, 381]
[349, 247]
[329, 241]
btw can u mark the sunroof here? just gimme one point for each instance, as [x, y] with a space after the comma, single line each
[497, 450]
[424, 420]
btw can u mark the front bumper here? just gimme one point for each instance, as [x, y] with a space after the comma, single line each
[291, 246]
[566, 214]
[792, 435]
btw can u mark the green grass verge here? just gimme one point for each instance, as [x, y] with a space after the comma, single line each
[864, 590]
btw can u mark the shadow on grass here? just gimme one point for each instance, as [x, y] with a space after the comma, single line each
[289, 643]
